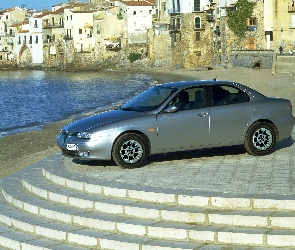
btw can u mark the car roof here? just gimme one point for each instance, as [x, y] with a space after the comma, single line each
[185, 84]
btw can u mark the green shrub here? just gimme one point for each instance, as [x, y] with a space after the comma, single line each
[133, 57]
[236, 20]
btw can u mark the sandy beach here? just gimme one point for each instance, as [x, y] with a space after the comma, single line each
[21, 150]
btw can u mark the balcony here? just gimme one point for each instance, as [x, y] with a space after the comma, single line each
[210, 18]
[251, 27]
[173, 11]
[52, 26]
[68, 38]
[201, 27]
[175, 27]
[291, 8]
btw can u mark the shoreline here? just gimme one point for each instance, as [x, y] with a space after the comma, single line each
[23, 149]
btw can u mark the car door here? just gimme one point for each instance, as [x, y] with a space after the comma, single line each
[188, 127]
[229, 115]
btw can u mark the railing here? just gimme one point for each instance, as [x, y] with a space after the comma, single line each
[173, 11]
[291, 8]
[68, 38]
[50, 26]
[210, 18]
[175, 26]
[252, 27]
[202, 27]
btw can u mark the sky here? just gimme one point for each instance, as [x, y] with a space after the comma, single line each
[30, 4]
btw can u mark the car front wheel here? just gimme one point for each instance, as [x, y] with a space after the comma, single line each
[130, 151]
[260, 139]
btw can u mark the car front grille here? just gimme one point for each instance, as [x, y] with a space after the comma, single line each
[70, 153]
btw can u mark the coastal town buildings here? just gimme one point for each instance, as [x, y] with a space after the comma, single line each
[9, 23]
[178, 33]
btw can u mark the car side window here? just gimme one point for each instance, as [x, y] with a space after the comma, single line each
[225, 94]
[191, 98]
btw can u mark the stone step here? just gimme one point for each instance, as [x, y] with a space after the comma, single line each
[54, 171]
[41, 187]
[14, 239]
[135, 228]
[54, 233]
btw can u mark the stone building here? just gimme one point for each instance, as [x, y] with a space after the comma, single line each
[283, 24]
[191, 32]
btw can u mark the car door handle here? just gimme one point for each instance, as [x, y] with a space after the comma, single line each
[202, 114]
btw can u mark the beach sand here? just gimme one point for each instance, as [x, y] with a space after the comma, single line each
[21, 150]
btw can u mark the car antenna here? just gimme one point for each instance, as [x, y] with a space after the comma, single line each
[214, 79]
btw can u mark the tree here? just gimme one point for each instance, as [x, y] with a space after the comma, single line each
[236, 20]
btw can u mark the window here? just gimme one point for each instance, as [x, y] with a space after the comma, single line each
[98, 29]
[197, 5]
[36, 24]
[134, 12]
[80, 31]
[224, 95]
[192, 98]
[178, 6]
[251, 23]
[198, 36]
[197, 22]
[36, 41]
[173, 23]
[178, 22]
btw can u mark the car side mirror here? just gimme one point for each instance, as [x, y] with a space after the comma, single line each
[170, 109]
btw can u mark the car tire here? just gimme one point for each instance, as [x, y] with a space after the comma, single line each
[260, 139]
[130, 151]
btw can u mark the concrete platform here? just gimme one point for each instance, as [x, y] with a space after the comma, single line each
[219, 198]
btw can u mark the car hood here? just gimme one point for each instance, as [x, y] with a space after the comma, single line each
[107, 117]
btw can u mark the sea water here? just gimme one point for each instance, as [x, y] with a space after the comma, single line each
[30, 99]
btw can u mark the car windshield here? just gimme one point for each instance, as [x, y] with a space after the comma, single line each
[150, 99]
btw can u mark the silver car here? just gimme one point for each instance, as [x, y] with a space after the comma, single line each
[180, 116]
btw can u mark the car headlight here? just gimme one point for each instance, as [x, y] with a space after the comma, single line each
[84, 135]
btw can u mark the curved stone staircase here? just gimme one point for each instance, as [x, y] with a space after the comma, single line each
[46, 206]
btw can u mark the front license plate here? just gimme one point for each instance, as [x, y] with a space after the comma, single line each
[72, 147]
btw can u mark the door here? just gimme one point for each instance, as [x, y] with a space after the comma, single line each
[229, 116]
[188, 127]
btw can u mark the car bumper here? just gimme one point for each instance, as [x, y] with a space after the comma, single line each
[85, 148]
[285, 126]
